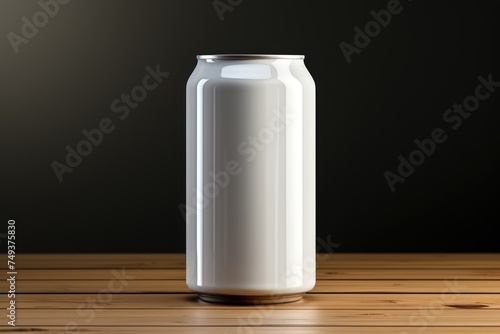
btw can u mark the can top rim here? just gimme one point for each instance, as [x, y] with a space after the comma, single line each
[249, 56]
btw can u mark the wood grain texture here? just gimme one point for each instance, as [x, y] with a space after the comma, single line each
[258, 330]
[324, 286]
[310, 301]
[332, 261]
[325, 274]
[355, 293]
[258, 315]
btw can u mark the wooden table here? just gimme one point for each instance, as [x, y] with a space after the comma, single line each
[355, 293]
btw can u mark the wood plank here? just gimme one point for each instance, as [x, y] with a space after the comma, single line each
[310, 301]
[322, 274]
[397, 261]
[330, 261]
[99, 274]
[97, 261]
[408, 274]
[406, 286]
[261, 317]
[259, 330]
[179, 286]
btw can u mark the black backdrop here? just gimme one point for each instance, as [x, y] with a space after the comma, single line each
[124, 196]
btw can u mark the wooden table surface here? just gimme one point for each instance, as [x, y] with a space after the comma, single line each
[354, 293]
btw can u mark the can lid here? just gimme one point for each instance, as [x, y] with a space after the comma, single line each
[249, 56]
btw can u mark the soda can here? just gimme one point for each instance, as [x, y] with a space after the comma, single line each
[250, 178]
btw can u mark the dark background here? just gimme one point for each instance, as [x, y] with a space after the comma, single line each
[124, 196]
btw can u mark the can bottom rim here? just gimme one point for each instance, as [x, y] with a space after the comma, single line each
[250, 300]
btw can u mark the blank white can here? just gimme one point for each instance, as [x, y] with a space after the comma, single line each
[250, 183]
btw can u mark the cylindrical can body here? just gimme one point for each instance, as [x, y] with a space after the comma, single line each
[250, 178]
